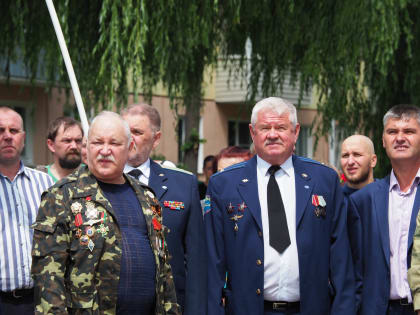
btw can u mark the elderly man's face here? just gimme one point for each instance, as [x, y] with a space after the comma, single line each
[107, 150]
[12, 137]
[144, 137]
[274, 136]
[67, 146]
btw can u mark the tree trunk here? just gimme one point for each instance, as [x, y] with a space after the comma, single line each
[192, 122]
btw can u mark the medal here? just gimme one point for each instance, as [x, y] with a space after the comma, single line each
[174, 205]
[242, 206]
[76, 207]
[78, 221]
[150, 194]
[156, 224]
[84, 240]
[92, 213]
[90, 231]
[91, 245]
[207, 204]
[92, 222]
[236, 218]
[102, 229]
[78, 233]
[230, 208]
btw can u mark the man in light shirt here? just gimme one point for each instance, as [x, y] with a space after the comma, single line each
[20, 194]
[276, 224]
[388, 209]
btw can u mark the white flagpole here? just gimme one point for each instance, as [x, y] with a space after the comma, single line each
[69, 66]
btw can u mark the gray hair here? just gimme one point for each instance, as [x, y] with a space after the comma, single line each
[144, 110]
[277, 104]
[404, 112]
[108, 114]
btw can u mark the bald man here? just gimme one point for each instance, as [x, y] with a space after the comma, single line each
[357, 162]
[358, 159]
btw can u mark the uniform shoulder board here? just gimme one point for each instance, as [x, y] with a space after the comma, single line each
[176, 169]
[230, 168]
[305, 159]
[308, 160]
[64, 180]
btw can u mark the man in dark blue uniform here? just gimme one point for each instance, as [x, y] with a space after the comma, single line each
[177, 191]
[276, 228]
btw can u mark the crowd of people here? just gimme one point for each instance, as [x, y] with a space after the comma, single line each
[105, 229]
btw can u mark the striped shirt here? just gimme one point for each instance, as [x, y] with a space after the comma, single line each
[19, 202]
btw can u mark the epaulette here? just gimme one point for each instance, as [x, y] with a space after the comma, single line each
[308, 160]
[64, 181]
[176, 169]
[305, 159]
[230, 168]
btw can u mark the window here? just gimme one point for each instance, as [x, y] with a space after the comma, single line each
[304, 144]
[238, 134]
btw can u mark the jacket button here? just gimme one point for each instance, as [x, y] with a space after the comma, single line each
[259, 233]
[259, 262]
[258, 291]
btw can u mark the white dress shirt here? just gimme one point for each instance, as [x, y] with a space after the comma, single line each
[145, 170]
[400, 206]
[281, 271]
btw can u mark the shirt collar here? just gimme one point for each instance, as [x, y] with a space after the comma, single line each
[393, 182]
[22, 171]
[144, 168]
[287, 166]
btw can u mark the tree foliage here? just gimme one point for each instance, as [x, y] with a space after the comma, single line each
[361, 56]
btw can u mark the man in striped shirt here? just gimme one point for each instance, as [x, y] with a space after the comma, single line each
[20, 194]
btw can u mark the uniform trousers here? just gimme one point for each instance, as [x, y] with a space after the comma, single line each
[395, 308]
[285, 312]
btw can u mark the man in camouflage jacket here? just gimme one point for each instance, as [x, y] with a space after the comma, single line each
[77, 273]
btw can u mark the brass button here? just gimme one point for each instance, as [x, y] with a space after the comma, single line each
[258, 291]
[259, 262]
[259, 233]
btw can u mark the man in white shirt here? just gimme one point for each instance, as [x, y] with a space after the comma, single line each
[276, 228]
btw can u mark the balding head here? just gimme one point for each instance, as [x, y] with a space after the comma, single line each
[12, 139]
[12, 113]
[108, 145]
[358, 160]
[362, 141]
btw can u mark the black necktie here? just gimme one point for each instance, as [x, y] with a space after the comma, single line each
[136, 173]
[277, 222]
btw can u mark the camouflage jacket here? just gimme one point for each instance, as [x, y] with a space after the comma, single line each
[414, 271]
[77, 249]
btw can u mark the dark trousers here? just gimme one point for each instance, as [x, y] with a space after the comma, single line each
[287, 312]
[21, 302]
[395, 308]
[290, 309]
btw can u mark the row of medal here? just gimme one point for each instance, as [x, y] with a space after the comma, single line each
[93, 215]
[236, 217]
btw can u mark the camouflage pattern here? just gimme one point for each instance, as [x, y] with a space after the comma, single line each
[73, 277]
[414, 271]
